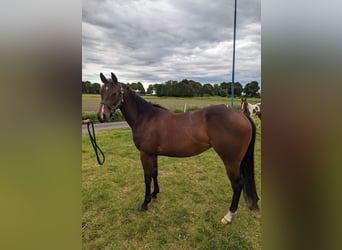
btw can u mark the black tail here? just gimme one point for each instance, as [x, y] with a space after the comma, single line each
[247, 171]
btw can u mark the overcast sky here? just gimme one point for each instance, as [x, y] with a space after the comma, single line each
[153, 41]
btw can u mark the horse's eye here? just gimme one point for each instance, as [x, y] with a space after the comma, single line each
[114, 94]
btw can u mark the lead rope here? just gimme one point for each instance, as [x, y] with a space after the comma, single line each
[93, 142]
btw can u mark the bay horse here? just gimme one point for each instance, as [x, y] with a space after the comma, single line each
[158, 131]
[251, 109]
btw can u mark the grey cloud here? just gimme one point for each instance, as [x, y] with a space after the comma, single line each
[156, 41]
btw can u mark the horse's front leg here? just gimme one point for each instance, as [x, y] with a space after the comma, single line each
[148, 165]
[155, 179]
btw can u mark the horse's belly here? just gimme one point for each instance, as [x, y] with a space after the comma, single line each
[182, 149]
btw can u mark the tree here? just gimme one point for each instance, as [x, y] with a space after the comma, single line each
[84, 86]
[96, 88]
[218, 91]
[208, 89]
[138, 87]
[141, 88]
[90, 88]
[224, 87]
[196, 88]
[184, 89]
[190, 88]
[151, 89]
[158, 88]
[251, 89]
[238, 89]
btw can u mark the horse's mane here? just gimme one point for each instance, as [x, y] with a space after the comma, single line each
[158, 106]
[142, 105]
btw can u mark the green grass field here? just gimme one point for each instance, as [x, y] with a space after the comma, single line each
[90, 103]
[194, 195]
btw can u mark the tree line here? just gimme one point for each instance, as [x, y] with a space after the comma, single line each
[185, 88]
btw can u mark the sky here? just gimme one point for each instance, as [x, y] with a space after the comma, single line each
[154, 41]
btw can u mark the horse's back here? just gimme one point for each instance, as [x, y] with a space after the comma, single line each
[226, 118]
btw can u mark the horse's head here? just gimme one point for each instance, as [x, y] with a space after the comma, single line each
[111, 97]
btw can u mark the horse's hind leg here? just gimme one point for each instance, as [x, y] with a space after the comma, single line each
[233, 172]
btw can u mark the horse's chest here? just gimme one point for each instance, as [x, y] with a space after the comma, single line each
[145, 140]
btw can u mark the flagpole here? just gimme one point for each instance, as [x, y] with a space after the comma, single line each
[233, 73]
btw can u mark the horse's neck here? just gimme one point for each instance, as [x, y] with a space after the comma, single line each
[245, 106]
[130, 108]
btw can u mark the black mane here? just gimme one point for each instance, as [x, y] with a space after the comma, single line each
[142, 105]
[158, 106]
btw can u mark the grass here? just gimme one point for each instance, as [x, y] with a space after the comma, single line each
[194, 195]
[90, 103]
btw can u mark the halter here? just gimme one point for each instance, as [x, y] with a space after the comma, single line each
[112, 108]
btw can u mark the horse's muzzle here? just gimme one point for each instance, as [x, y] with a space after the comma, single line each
[103, 114]
[102, 117]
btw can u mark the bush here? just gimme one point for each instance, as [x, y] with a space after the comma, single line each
[89, 115]
[117, 116]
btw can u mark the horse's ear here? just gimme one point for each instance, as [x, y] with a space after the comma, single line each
[115, 80]
[103, 78]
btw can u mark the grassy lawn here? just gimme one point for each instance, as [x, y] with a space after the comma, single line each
[194, 195]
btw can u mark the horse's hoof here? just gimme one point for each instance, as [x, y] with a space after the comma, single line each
[225, 222]
[142, 208]
[254, 207]
[154, 196]
[227, 219]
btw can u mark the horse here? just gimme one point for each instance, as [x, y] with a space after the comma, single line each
[158, 131]
[251, 109]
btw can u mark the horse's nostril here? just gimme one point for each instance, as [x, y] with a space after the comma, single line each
[101, 117]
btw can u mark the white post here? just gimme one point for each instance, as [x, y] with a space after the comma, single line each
[184, 107]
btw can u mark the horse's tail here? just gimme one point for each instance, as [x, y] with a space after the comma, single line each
[247, 171]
